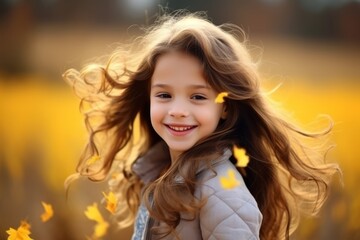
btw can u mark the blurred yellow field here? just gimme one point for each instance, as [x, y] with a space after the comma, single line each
[42, 135]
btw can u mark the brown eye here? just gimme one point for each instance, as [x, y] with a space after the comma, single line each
[198, 97]
[163, 95]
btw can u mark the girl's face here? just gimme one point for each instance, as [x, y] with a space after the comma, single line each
[182, 104]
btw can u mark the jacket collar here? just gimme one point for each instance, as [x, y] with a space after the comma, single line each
[149, 166]
[225, 156]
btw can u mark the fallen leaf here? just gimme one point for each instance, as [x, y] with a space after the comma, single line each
[22, 233]
[49, 213]
[93, 159]
[92, 212]
[229, 181]
[24, 224]
[240, 155]
[111, 202]
[220, 97]
[100, 229]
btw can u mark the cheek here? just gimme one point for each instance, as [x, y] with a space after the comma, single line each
[209, 116]
[156, 113]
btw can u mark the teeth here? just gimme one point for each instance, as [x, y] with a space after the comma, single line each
[180, 129]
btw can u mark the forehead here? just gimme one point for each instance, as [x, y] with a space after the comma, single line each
[178, 58]
[179, 67]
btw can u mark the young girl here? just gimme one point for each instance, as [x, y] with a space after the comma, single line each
[168, 82]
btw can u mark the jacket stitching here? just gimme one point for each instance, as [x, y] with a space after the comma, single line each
[234, 211]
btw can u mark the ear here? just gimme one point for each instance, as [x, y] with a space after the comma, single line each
[224, 112]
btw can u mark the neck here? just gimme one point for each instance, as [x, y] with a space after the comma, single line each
[174, 155]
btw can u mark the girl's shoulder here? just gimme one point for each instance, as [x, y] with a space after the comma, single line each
[228, 203]
[225, 182]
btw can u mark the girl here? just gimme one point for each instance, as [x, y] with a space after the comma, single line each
[167, 82]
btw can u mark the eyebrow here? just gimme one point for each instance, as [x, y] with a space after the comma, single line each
[193, 86]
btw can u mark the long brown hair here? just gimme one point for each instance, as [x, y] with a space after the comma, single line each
[284, 174]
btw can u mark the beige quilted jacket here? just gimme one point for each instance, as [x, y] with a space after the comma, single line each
[228, 213]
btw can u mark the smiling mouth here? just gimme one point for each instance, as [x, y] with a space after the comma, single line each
[180, 128]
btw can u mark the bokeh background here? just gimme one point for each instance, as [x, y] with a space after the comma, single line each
[311, 47]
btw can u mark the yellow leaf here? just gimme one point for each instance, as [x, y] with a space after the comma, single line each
[100, 229]
[24, 224]
[229, 181]
[22, 233]
[49, 213]
[220, 97]
[115, 175]
[93, 159]
[240, 155]
[111, 202]
[12, 234]
[92, 212]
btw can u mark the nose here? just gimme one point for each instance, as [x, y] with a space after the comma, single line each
[178, 110]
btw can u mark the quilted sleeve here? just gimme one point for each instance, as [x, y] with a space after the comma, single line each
[230, 214]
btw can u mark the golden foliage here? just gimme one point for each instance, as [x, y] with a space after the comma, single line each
[92, 212]
[21, 233]
[240, 155]
[49, 213]
[220, 97]
[111, 202]
[229, 181]
[53, 125]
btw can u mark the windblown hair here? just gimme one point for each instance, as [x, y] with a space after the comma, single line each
[285, 175]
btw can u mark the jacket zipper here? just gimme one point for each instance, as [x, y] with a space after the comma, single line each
[149, 223]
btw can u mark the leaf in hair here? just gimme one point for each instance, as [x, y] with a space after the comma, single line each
[48, 212]
[229, 181]
[220, 97]
[115, 175]
[240, 155]
[92, 212]
[22, 232]
[111, 202]
[93, 159]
